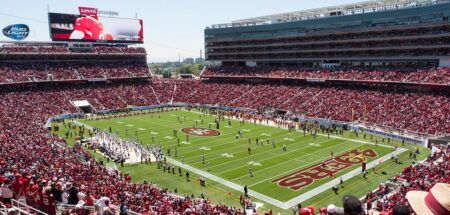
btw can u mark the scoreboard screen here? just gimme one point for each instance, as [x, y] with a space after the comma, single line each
[71, 27]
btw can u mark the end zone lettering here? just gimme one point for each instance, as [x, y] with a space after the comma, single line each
[304, 177]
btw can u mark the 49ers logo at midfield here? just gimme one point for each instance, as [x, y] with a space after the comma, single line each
[204, 132]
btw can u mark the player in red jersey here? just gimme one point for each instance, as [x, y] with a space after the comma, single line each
[89, 28]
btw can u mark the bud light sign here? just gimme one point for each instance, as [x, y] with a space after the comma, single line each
[17, 31]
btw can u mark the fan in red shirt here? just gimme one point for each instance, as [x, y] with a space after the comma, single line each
[17, 185]
[49, 202]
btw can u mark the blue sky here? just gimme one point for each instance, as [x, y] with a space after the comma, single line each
[171, 26]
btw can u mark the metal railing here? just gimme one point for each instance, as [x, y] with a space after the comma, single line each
[23, 208]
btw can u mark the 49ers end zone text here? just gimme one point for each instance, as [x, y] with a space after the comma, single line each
[304, 177]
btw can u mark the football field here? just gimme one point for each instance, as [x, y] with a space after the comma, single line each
[306, 163]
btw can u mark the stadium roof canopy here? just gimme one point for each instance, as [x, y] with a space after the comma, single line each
[340, 10]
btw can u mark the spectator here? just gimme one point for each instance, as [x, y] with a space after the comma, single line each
[73, 194]
[436, 201]
[352, 205]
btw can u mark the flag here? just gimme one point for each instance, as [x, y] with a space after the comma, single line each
[364, 111]
[353, 114]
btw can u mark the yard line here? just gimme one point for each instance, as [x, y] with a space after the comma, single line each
[229, 170]
[332, 146]
[246, 146]
[229, 183]
[310, 163]
[205, 139]
[234, 143]
[358, 141]
[172, 145]
[331, 135]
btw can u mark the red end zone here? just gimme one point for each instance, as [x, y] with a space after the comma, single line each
[304, 177]
[203, 132]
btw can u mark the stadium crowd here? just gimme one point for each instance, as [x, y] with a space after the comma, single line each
[382, 107]
[54, 168]
[30, 72]
[54, 172]
[115, 50]
[436, 76]
[55, 49]
[422, 177]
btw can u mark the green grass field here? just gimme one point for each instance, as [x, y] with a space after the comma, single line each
[229, 159]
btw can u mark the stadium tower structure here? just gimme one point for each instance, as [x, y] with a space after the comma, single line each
[372, 33]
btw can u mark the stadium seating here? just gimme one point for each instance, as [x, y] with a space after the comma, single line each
[115, 50]
[436, 169]
[29, 72]
[56, 49]
[23, 112]
[435, 76]
[427, 111]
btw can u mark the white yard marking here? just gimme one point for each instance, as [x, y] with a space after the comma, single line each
[289, 139]
[129, 125]
[314, 144]
[185, 142]
[154, 133]
[253, 163]
[141, 129]
[120, 122]
[173, 115]
[246, 130]
[228, 183]
[204, 148]
[168, 137]
[227, 155]
[266, 134]
[227, 126]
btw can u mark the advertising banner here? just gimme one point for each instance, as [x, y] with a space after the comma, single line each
[16, 31]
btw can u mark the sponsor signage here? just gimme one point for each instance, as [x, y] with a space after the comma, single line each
[315, 80]
[16, 31]
[90, 11]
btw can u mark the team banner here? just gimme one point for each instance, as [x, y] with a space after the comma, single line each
[92, 28]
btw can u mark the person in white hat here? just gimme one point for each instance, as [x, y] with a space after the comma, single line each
[331, 209]
[435, 202]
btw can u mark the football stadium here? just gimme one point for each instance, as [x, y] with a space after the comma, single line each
[343, 109]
